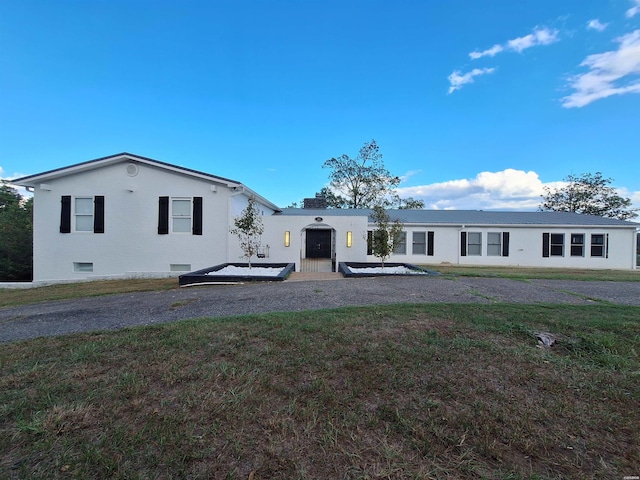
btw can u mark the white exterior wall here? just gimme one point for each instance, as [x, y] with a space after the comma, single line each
[130, 245]
[525, 247]
[277, 225]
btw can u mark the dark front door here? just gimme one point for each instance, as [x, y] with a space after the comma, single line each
[318, 244]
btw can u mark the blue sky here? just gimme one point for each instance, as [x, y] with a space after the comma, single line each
[476, 104]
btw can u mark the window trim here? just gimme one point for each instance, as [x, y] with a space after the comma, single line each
[576, 249]
[422, 244]
[479, 244]
[176, 216]
[83, 267]
[77, 216]
[400, 247]
[556, 244]
[604, 245]
[547, 245]
[69, 216]
[166, 217]
[499, 244]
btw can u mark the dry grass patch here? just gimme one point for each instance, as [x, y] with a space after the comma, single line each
[525, 273]
[446, 391]
[13, 297]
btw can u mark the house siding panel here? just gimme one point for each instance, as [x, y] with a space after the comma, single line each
[130, 245]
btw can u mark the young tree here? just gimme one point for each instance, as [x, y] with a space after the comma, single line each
[386, 235]
[362, 182]
[248, 228]
[588, 194]
[16, 235]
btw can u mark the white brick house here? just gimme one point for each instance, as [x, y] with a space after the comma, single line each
[129, 216]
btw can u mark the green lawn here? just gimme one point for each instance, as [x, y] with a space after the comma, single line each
[393, 392]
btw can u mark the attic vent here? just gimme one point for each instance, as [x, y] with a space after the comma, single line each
[132, 169]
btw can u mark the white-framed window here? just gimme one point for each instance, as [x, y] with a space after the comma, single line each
[83, 267]
[419, 244]
[401, 245]
[181, 215]
[557, 245]
[474, 243]
[83, 214]
[599, 247]
[494, 244]
[577, 244]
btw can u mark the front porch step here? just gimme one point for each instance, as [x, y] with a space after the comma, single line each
[317, 265]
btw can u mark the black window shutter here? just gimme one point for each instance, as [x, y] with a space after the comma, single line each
[98, 214]
[463, 244]
[505, 244]
[545, 244]
[65, 214]
[197, 216]
[430, 243]
[163, 215]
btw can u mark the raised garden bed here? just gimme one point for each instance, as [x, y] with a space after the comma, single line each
[361, 269]
[238, 273]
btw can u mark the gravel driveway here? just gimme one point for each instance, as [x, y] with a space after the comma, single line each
[119, 311]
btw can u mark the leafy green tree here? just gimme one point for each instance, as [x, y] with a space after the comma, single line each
[333, 200]
[386, 235]
[409, 203]
[363, 181]
[16, 235]
[589, 194]
[248, 227]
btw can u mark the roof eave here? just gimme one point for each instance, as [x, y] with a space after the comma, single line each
[33, 180]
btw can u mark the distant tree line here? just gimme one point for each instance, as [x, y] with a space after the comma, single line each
[16, 235]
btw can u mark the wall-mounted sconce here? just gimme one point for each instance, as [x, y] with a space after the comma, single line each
[349, 239]
[287, 238]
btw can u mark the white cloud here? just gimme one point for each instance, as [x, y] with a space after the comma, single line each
[509, 189]
[543, 36]
[408, 175]
[490, 52]
[633, 11]
[5, 176]
[595, 24]
[540, 36]
[457, 79]
[21, 190]
[610, 73]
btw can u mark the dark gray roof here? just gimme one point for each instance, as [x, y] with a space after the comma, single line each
[132, 156]
[324, 212]
[471, 217]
